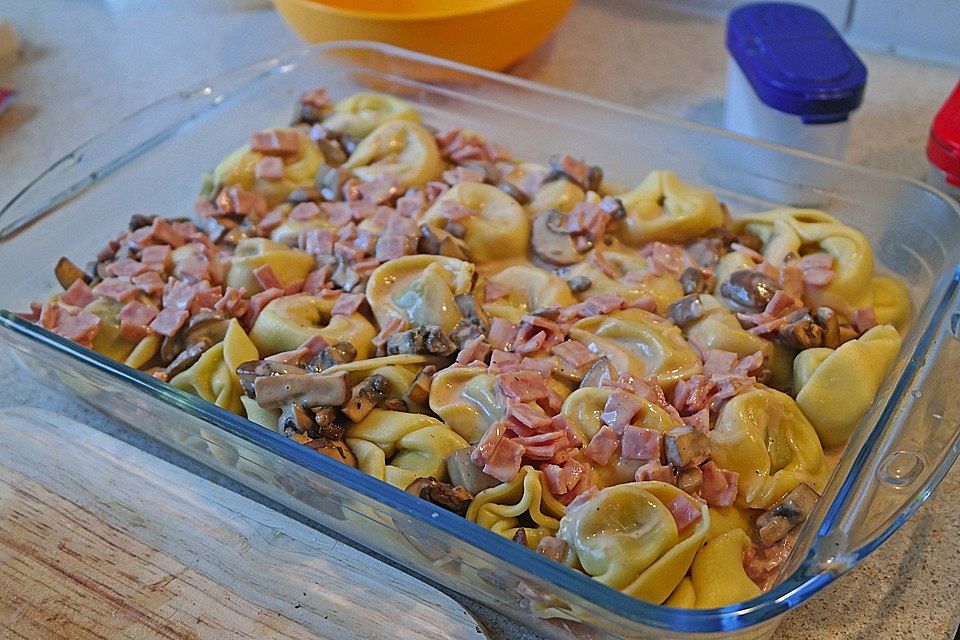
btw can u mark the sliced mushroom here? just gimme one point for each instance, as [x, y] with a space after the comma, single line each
[333, 151]
[470, 310]
[67, 273]
[304, 194]
[520, 536]
[801, 331]
[330, 184]
[514, 192]
[550, 242]
[579, 284]
[395, 404]
[419, 392]
[437, 242]
[706, 251]
[827, 319]
[748, 289]
[685, 447]
[140, 220]
[295, 419]
[338, 353]
[421, 340]
[690, 480]
[686, 310]
[451, 498]
[464, 332]
[336, 449]
[346, 277]
[365, 397]
[205, 324]
[307, 389]
[465, 473]
[188, 357]
[692, 280]
[791, 511]
[253, 369]
[327, 426]
[600, 371]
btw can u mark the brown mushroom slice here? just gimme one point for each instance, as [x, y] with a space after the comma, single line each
[307, 389]
[579, 284]
[67, 273]
[248, 372]
[188, 357]
[801, 331]
[338, 353]
[690, 480]
[827, 319]
[208, 324]
[748, 290]
[451, 498]
[419, 392]
[438, 242]
[395, 404]
[791, 511]
[550, 242]
[471, 310]
[365, 397]
[601, 370]
[465, 473]
[692, 280]
[327, 426]
[464, 332]
[336, 449]
[295, 419]
[685, 447]
[421, 340]
[686, 310]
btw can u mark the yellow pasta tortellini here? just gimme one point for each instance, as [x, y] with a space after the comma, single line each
[764, 437]
[255, 413]
[299, 169]
[289, 265]
[664, 208]
[626, 537]
[663, 288]
[836, 387]
[465, 399]
[500, 229]
[641, 344]
[556, 194]
[214, 376]
[398, 149]
[361, 113]
[288, 322]
[399, 447]
[530, 289]
[110, 343]
[717, 577]
[582, 409]
[419, 290]
[891, 301]
[512, 505]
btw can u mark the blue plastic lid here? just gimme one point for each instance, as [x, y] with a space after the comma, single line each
[796, 61]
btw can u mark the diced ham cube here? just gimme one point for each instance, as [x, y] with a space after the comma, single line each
[80, 326]
[503, 462]
[317, 242]
[527, 415]
[269, 168]
[542, 366]
[305, 211]
[864, 319]
[134, 320]
[274, 218]
[640, 443]
[718, 362]
[454, 211]
[719, 488]
[502, 334]
[655, 471]
[602, 445]
[78, 294]
[277, 142]
[474, 351]
[347, 304]
[169, 321]
[119, 289]
[575, 353]
[258, 302]
[684, 512]
[522, 386]
[496, 291]
[150, 283]
[380, 189]
[619, 410]
[126, 267]
[504, 362]
[155, 254]
[266, 277]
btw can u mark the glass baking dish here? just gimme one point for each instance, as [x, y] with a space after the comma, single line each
[152, 162]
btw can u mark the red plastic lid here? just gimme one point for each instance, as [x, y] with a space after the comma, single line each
[943, 145]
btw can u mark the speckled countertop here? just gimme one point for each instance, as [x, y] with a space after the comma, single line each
[86, 64]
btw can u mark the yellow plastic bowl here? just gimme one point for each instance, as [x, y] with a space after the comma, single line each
[486, 33]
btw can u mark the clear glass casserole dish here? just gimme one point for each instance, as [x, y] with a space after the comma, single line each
[152, 162]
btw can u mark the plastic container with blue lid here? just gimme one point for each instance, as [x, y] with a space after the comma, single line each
[792, 78]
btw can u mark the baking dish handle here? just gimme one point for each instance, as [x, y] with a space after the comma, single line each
[900, 466]
[109, 151]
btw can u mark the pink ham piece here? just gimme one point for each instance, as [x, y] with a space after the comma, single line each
[237, 200]
[150, 283]
[193, 269]
[393, 247]
[274, 218]
[746, 251]
[502, 334]
[552, 403]
[552, 548]
[347, 304]
[655, 471]
[574, 168]
[602, 445]
[527, 415]
[379, 190]
[266, 277]
[317, 280]
[608, 268]
[475, 350]
[276, 143]
[522, 386]
[684, 512]
[496, 291]
[864, 319]
[563, 479]
[394, 325]
[542, 366]
[559, 422]
[640, 443]
[317, 242]
[718, 362]
[491, 437]
[411, 204]
[169, 321]
[155, 256]
[619, 410]
[305, 211]
[504, 461]
[258, 302]
[269, 168]
[365, 241]
[748, 365]
[78, 294]
[232, 303]
[646, 303]
[699, 421]
[337, 213]
[574, 353]
[164, 233]
[781, 303]
[126, 267]
[719, 488]
[462, 174]
[791, 278]
[119, 289]
[80, 326]
[454, 211]
[134, 320]
[504, 362]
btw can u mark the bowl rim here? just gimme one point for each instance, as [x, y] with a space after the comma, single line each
[413, 16]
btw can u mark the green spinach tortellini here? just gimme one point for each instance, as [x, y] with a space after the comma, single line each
[639, 343]
[419, 290]
[288, 322]
[664, 208]
[764, 437]
[289, 265]
[214, 376]
[399, 447]
[626, 537]
[517, 504]
[498, 230]
[835, 387]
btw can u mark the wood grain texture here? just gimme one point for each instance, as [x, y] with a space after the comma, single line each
[101, 540]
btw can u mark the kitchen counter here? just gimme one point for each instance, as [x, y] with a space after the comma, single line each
[87, 64]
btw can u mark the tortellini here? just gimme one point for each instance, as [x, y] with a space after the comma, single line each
[717, 577]
[299, 169]
[836, 387]
[289, 265]
[507, 507]
[110, 343]
[499, 230]
[530, 289]
[556, 194]
[399, 447]
[663, 288]
[465, 399]
[639, 343]
[288, 322]
[398, 149]
[583, 408]
[764, 437]
[664, 208]
[419, 290]
[361, 113]
[626, 537]
[214, 376]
